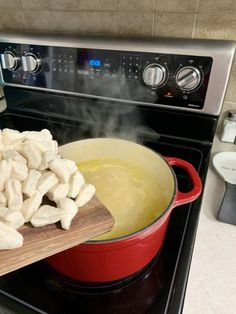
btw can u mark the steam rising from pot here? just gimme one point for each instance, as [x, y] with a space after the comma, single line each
[95, 118]
[101, 117]
[120, 121]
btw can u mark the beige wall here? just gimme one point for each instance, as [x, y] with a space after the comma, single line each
[169, 18]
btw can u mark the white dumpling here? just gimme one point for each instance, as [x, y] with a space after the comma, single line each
[31, 205]
[71, 165]
[63, 168]
[47, 157]
[76, 182]
[3, 199]
[9, 237]
[43, 135]
[46, 182]
[33, 155]
[1, 143]
[71, 210]
[47, 134]
[54, 147]
[43, 145]
[9, 136]
[19, 170]
[13, 218]
[14, 194]
[11, 154]
[5, 171]
[47, 215]
[86, 193]
[58, 191]
[29, 186]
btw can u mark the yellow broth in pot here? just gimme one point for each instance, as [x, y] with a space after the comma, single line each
[132, 194]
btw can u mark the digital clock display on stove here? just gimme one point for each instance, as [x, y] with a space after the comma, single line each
[95, 62]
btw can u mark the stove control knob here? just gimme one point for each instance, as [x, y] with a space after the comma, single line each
[10, 61]
[31, 63]
[188, 78]
[154, 75]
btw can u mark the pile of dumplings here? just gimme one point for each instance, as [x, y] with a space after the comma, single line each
[30, 169]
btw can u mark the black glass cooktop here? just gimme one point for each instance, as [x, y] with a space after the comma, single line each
[39, 288]
[160, 287]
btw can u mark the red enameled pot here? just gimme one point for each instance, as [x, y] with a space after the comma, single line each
[109, 260]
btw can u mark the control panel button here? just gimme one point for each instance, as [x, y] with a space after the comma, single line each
[154, 75]
[130, 67]
[188, 78]
[31, 63]
[10, 61]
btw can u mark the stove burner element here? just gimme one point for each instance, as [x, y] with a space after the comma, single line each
[134, 294]
[61, 283]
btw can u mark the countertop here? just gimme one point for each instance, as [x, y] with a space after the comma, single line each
[211, 287]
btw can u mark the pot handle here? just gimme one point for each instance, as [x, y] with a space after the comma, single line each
[183, 198]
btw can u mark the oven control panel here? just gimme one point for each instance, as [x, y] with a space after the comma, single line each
[156, 78]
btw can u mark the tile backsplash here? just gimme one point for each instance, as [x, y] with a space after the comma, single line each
[172, 18]
[214, 19]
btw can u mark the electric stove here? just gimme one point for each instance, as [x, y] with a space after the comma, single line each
[166, 94]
